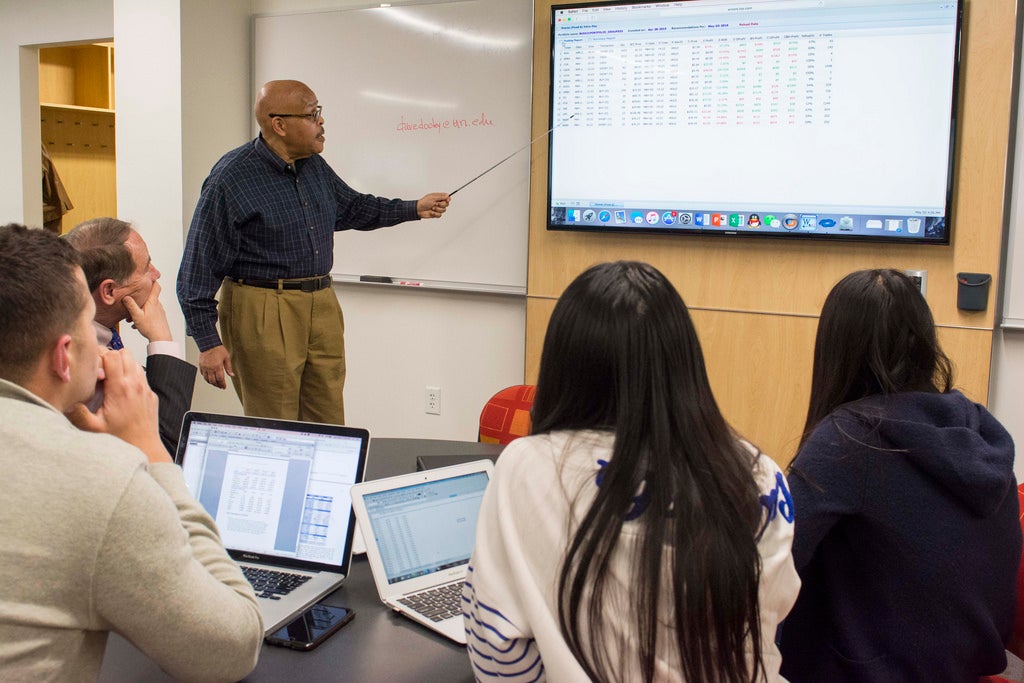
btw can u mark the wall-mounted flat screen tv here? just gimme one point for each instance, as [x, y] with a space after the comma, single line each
[829, 119]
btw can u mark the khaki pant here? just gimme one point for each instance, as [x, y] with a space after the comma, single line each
[287, 351]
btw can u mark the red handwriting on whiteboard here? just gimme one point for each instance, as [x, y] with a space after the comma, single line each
[434, 124]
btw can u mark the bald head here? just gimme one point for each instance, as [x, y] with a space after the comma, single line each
[290, 121]
[281, 97]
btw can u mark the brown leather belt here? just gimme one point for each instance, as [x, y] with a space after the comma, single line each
[313, 284]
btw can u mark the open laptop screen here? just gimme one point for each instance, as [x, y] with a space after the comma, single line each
[426, 528]
[277, 492]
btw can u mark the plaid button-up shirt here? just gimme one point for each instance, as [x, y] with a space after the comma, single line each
[261, 218]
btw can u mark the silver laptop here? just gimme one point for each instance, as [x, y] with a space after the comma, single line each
[420, 530]
[279, 492]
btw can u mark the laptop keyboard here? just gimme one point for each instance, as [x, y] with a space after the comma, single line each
[437, 604]
[272, 584]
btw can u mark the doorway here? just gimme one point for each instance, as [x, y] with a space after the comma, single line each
[76, 115]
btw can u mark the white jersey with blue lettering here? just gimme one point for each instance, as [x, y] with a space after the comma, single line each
[510, 601]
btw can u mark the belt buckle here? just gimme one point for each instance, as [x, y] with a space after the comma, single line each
[309, 285]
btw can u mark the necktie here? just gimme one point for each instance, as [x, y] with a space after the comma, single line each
[115, 340]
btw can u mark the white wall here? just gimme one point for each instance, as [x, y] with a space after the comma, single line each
[1006, 376]
[175, 63]
[1006, 390]
[216, 113]
[147, 97]
[297, 6]
[398, 342]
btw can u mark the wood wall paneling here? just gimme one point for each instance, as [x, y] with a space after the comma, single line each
[57, 76]
[77, 75]
[81, 145]
[760, 368]
[755, 301]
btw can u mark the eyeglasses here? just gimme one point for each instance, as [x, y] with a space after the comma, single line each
[312, 116]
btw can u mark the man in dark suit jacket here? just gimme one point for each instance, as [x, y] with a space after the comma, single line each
[123, 282]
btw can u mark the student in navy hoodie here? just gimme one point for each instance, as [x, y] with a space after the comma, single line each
[907, 535]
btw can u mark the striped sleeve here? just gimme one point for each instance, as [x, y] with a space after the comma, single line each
[496, 646]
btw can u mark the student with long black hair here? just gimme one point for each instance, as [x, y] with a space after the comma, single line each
[633, 536]
[907, 537]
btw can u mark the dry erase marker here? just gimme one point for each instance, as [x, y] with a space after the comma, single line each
[409, 283]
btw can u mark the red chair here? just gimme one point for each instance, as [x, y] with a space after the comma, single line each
[506, 415]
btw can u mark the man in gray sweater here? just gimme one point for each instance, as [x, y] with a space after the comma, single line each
[98, 532]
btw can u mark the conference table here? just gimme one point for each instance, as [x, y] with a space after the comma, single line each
[378, 644]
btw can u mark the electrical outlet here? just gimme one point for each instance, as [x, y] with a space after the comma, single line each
[433, 400]
[920, 278]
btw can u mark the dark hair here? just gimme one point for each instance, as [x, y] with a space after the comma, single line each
[876, 335]
[101, 242]
[621, 354]
[40, 296]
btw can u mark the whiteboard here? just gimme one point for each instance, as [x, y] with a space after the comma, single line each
[421, 99]
[1013, 277]
[1013, 284]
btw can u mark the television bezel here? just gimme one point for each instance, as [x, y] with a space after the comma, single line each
[755, 234]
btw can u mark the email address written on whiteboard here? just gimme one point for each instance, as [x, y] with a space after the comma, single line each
[433, 124]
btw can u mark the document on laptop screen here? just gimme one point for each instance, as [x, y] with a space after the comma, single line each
[282, 493]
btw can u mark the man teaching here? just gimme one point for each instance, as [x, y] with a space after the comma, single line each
[262, 233]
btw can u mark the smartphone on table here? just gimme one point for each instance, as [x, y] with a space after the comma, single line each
[311, 628]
